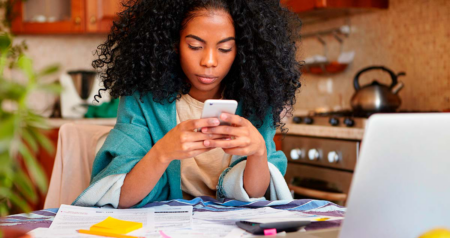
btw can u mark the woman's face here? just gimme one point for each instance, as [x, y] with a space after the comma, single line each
[207, 51]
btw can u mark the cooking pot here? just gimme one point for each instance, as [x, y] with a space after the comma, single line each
[376, 97]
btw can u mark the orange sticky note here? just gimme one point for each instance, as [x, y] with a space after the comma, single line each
[113, 225]
[322, 219]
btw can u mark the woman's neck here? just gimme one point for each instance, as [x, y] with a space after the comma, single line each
[202, 96]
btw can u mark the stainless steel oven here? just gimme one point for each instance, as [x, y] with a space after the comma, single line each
[320, 168]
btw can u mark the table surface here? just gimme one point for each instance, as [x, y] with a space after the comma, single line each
[44, 218]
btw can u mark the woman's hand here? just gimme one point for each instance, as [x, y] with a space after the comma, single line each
[183, 142]
[247, 141]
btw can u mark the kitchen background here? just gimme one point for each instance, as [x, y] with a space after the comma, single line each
[410, 36]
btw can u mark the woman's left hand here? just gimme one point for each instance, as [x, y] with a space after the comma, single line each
[245, 138]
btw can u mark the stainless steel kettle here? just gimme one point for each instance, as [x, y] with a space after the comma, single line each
[376, 97]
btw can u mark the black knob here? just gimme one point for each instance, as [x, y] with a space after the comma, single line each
[297, 120]
[309, 120]
[334, 121]
[349, 122]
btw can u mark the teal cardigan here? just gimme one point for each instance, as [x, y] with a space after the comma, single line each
[139, 126]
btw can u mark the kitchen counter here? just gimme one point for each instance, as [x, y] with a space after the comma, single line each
[294, 129]
[58, 122]
[326, 131]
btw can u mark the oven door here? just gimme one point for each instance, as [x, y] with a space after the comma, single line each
[320, 183]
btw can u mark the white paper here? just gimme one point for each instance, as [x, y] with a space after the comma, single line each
[169, 218]
[239, 233]
[51, 233]
[173, 217]
[240, 215]
[72, 218]
[292, 218]
[223, 224]
[75, 218]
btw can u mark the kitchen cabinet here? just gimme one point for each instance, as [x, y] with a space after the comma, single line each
[100, 15]
[96, 16]
[64, 16]
[315, 10]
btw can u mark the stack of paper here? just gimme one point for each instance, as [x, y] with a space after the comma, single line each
[163, 221]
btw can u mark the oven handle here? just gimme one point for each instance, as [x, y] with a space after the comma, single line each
[318, 194]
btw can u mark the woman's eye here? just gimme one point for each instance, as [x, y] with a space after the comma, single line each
[225, 50]
[194, 47]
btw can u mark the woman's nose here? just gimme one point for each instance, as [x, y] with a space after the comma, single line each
[209, 58]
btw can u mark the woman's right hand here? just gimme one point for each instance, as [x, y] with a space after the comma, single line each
[184, 142]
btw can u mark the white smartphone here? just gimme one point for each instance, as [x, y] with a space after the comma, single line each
[213, 108]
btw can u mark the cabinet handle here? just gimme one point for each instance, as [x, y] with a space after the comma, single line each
[93, 20]
[77, 20]
[318, 194]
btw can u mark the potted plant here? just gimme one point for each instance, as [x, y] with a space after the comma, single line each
[22, 133]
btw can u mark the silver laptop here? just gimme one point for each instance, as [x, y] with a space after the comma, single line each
[401, 185]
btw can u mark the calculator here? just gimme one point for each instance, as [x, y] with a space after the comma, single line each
[258, 228]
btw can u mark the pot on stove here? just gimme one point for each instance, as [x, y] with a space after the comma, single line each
[377, 97]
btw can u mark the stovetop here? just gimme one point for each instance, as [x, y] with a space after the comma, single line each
[347, 118]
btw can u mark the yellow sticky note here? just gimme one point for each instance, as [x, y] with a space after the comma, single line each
[117, 226]
[321, 219]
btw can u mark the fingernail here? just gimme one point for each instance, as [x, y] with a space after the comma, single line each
[204, 130]
[206, 142]
[224, 116]
[214, 121]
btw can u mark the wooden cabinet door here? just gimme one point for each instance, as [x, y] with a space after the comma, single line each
[100, 15]
[308, 5]
[28, 22]
[299, 5]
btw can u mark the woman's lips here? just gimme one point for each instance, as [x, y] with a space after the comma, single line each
[206, 79]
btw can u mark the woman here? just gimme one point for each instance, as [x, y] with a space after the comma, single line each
[164, 59]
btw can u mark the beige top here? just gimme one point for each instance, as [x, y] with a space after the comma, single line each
[200, 174]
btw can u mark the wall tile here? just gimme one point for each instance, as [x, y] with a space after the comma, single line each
[411, 36]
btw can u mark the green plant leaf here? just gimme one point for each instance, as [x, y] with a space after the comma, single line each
[7, 166]
[26, 65]
[49, 70]
[36, 121]
[23, 183]
[4, 208]
[31, 141]
[54, 88]
[5, 42]
[12, 91]
[35, 169]
[43, 140]
[7, 128]
[20, 202]
[5, 193]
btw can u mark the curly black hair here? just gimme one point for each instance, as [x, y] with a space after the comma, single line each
[141, 54]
